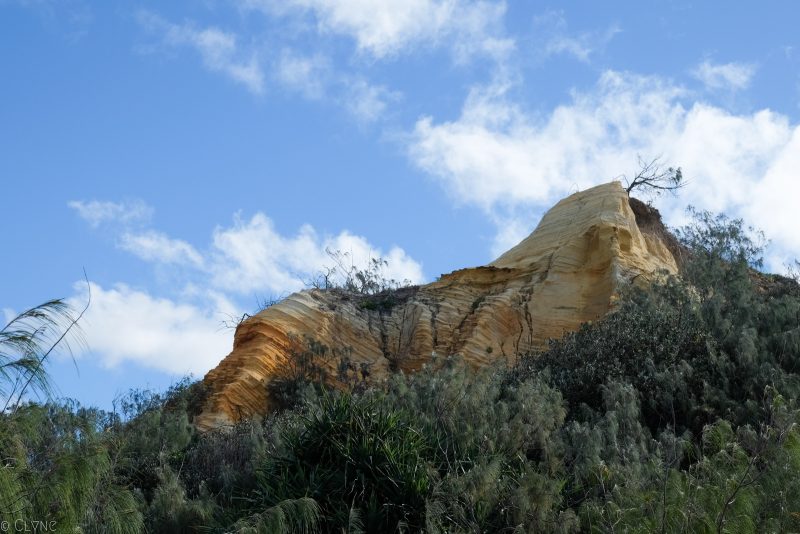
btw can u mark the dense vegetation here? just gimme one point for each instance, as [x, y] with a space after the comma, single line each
[678, 412]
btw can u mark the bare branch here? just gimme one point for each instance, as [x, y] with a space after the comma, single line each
[654, 178]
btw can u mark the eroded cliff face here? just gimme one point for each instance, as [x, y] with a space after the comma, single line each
[567, 272]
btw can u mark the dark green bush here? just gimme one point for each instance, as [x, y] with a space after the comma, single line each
[60, 467]
[496, 448]
[349, 454]
[654, 341]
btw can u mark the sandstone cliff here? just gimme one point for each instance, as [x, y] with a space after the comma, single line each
[568, 271]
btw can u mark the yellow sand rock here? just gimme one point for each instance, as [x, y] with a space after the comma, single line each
[568, 271]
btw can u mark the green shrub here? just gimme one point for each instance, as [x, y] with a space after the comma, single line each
[655, 341]
[60, 466]
[352, 453]
[495, 444]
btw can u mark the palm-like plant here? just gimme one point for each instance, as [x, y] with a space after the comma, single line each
[28, 340]
[26, 343]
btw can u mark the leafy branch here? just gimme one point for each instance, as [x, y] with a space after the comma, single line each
[28, 340]
[653, 177]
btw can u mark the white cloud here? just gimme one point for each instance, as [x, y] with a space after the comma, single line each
[126, 325]
[307, 74]
[183, 333]
[556, 40]
[96, 212]
[384, 28]
[218, 49]
[733, 76]
[252, 256]
[500, 157]
[155, 246]
[367, 102]
[496, 153]
[511, 229]
[314, 77]
[579, 48]
[775, 199]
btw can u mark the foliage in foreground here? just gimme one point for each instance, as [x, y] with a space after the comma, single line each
[679, 412]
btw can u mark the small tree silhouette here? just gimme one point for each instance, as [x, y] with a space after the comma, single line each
[654, 178]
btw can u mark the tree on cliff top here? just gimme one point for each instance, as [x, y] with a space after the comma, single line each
[654, 178]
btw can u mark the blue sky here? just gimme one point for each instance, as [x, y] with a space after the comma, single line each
[197, 157]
